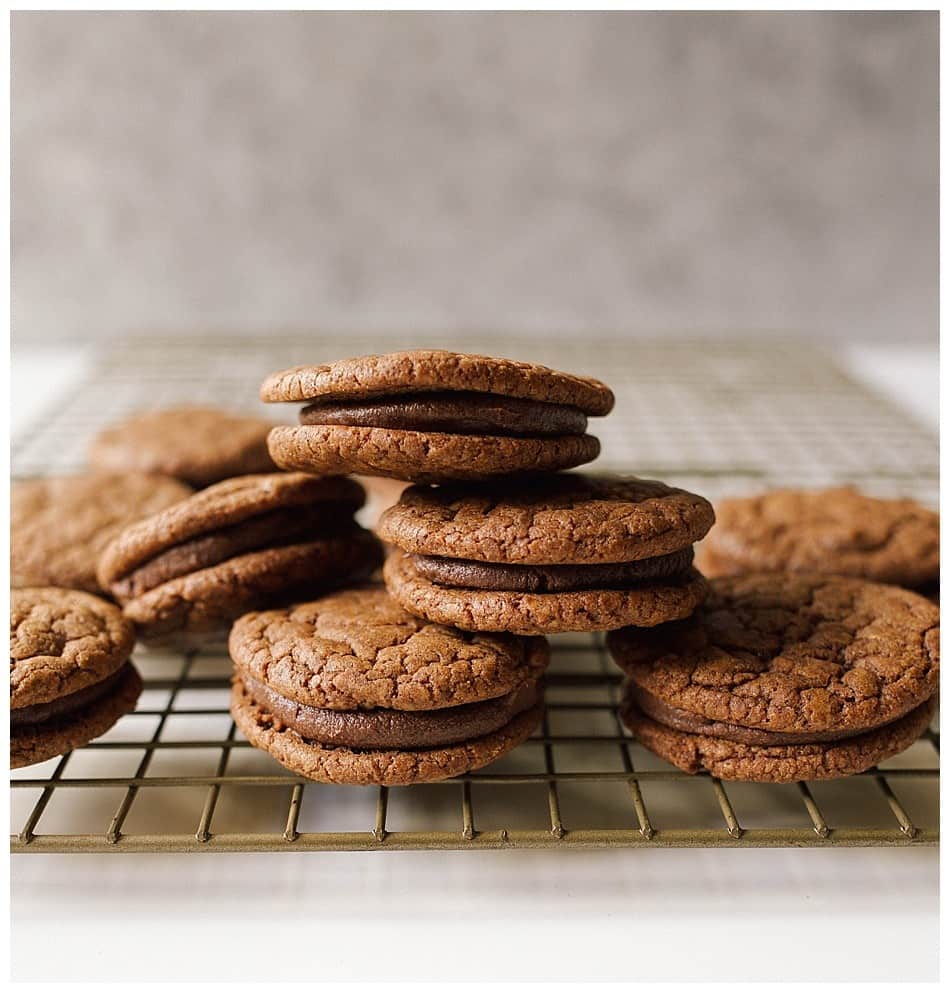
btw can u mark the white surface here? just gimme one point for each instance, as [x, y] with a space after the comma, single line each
[621, 915]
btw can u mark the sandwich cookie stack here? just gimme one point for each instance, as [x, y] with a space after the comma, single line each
[783, 677]
[351, 689]
[250, 542]
[556, 553]
[433, 416]
[70, 674]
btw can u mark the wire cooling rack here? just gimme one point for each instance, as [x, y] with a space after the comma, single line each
[722, 418]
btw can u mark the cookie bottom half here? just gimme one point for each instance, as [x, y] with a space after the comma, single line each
[423, 456]
[373, 767]
[34, 743]
[542, 613]
[733, 760]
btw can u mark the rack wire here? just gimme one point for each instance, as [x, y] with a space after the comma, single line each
[176, 776]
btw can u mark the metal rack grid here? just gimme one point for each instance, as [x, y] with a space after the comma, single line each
[175, 775]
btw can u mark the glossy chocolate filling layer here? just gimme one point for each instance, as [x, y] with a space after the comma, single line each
[63, 706]
[270, 530]
[452, 413]
[683, 720]
[465, 574]
[403, 729]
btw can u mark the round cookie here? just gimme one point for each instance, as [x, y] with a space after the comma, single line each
[423, 456]
[357, 649]
[373, 767]
[62, 641]
[221, 506]
[431, 416]
[59, 525]
[200, 445]
[792, 653]
[840, 531]
[247, 542]
[576, 518]
[70, 678]
[778, 763]
[542, 613]
[208, 599]
[436, 370]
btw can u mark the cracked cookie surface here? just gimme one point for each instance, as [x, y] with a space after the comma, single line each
[840, 531]
[792, 652]
[359, 650]
[62, 641]
[367, 767]
[556, 519]
[59, 525]
[200, 445]
[423, 456]
[435, 370]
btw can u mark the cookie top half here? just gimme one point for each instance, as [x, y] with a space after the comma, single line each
[200, 445]
[432, 370]
[59, 525]
[220, 506]
[552, 519]
[838, 531]
[358, 649]
[62, 641]
[792, 653]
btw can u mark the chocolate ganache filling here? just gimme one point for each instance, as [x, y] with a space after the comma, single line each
[65, 706]
[452, 413]
[268, 530]
[466, 574]
[402, 729]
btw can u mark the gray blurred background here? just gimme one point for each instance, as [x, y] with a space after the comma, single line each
[545, 173]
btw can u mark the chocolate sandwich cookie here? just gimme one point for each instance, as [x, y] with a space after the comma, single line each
[782, 677]
[568, 552]
[430, 416]
[351, 689]
[839, 531]
[60, 525]
[70, 674]
[248, 542]
[200, 445]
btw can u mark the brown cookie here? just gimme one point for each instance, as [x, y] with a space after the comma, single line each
[542, 613]
[60, 525]
[248, 542]
[62, 641]
[430, 416]
[421, 456]
[838, 531]
[557, 519]
[792, 653]
[436, 371]
[358, 649]
[70, 679]
[373, 767]
[779, 763]
[200, 445]
[352, 689]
